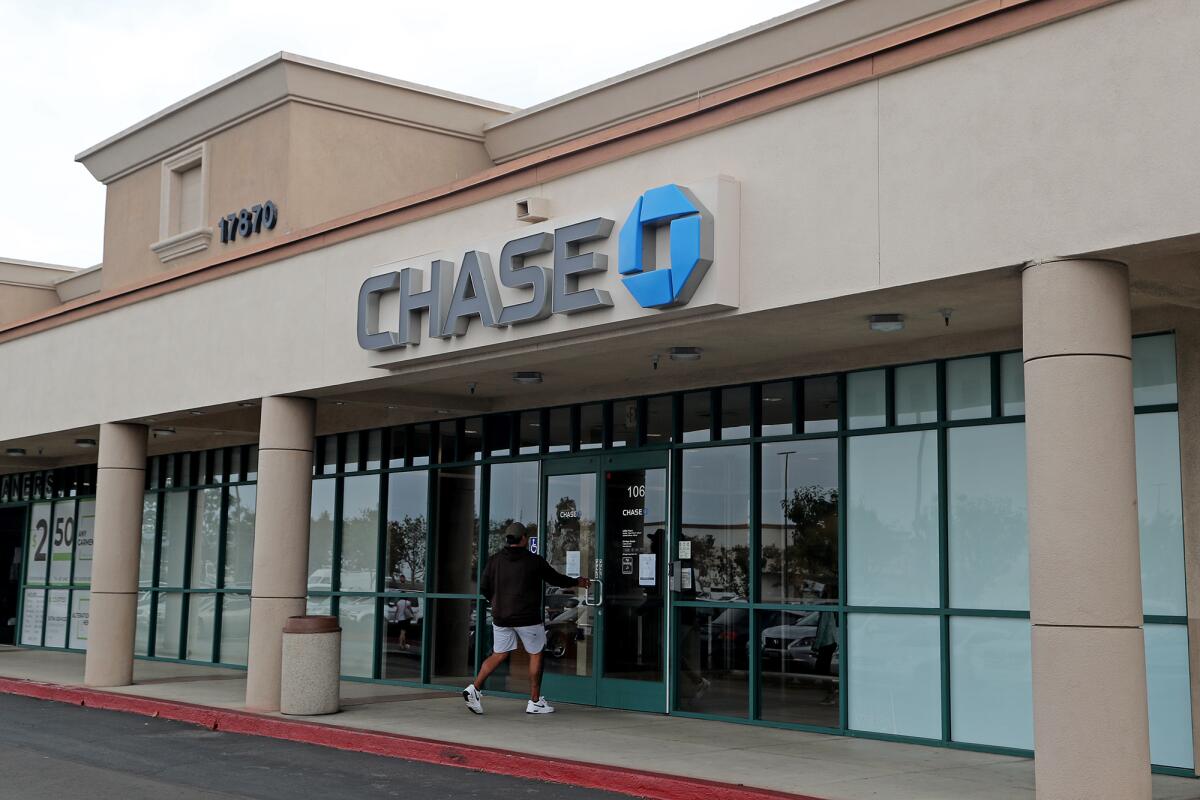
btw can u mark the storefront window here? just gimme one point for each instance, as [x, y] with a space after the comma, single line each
[659, 420]
[991, 682]
[1012, 385]
[1160, 514]
[401, 632]
[1154, 370]
[916, 394]
[1168, 685]
[866, 399]
[407, 531]
[360, 533]
[320, 535]
[800, 667]
[735, 413]
[712, 663]
[799, 518]
[457, 547]
[356, 615]
[235, 628]
[821, 406]
[239, 537]
[697, 417]
[172, 548]
[777, 410]
[716, 520]
[559, 435]
[625, 423]
[206, 538]
[895, 676]
[591, 426]
[452, 641]
[514, 498]
[969, 388]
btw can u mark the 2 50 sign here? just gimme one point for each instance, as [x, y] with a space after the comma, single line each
[248, 221]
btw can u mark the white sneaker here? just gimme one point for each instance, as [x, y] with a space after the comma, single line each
[540, 707]
[472, 696]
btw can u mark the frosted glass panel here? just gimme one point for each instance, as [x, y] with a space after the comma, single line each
[357, 618]
[173, 546]
[141, 640]
[892, 521]
[201, 624]
[206, 539]
[169, 620]
[866, 399]
[969, 388]
[916, 394]
[146, 548]
[1169, 696]
[239, 537]
[320, 536]
[360, 533]
[1160, 514]
[235, 628]
[1012, 384]
[991, 682]
[1154, 370]
[989, 519]
[895, 674]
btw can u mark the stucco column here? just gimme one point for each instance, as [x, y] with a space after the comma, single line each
[1091, 733]
[280, 580]
[120, 485]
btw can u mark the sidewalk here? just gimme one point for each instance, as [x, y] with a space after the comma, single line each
[573, 742]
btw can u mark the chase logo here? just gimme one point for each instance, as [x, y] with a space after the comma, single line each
[691, 247]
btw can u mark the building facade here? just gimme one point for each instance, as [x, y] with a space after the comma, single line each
[852, 355]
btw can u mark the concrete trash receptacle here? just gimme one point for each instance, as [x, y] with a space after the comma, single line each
[312, 662]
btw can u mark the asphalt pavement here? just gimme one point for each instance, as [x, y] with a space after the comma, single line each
[51, 750]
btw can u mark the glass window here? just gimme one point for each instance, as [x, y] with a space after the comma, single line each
[991, 682]
[697, 416]
[401, 628]
[969, 388]
[716, 519]
[866, 399]
[530, 432]
[499, 434]
[821, 405]
[62, 537]
[201, 619]
[58, 604]
[799, 517]
[777, 408]
[1169, 690]
[33, 614]
[1012, 384]
[591, 426]
[801, 667]
[457, 550]
[513, 498]
[85, 533]
[327, 455]
[560, 430]
[892, 520]
[1154, 370]
[407, 530]
[356, 615]
[447, 442]
[252, 463]
[319, 606]
[141, 636]
[360, 534]
[374, 450]
[235, 464]
[36, 565]
[397, 445]
[320, 536]
[471, 444]
[235, 628]
[989, 517]
[713, 646]
[659, 420]
[1160, 513]
[625, 423]
[81, 603]
[419, 444]
[168, 624]
[206, 538]
[452, 641]
[895, 674]
[916, 394]
[239, 537]
[735, 413]
[173, 545]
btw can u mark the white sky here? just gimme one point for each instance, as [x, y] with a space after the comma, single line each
[74, 72]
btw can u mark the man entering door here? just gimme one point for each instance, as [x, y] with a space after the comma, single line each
[512, 584]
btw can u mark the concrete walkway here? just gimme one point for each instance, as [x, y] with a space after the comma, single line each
[833, 767]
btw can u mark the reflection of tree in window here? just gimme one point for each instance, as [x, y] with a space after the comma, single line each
[808, 560]
[406, 552]
[566, 528]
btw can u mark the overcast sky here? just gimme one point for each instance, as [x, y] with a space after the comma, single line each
[74, 72]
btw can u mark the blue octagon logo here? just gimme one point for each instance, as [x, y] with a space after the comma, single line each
[691, 236]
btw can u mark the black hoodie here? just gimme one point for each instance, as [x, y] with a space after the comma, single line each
[512, 583]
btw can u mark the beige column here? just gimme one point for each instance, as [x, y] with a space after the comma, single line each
[120, 485]
[280, 582]
[1091, 734]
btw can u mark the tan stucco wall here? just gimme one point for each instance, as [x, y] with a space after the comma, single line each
[822, 216]
[18, 302]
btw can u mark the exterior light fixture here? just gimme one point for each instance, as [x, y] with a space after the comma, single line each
[527, 377]
[87, 444]
[685, 353]
[886, 323]
[15, 451]
[163, 431]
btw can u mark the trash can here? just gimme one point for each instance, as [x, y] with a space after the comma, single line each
[312, 662]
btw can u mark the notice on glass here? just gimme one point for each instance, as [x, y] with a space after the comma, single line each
[31, 618]
[56, 618]
[572, 563]
[647, 569]
[685, 548]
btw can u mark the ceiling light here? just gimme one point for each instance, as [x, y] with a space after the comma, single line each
[684, 353]
[338, 403]
[163, 431]
[85, 443]
[196, 413]
[886, 323]
[247, 404]
[772, 399]
[527, 377]
[15, 451]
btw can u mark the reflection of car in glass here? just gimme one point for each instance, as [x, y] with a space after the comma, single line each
[570, 625]
[321, 580]
[789, 640]
[725, 638]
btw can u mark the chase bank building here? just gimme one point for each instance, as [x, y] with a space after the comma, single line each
[854, 356]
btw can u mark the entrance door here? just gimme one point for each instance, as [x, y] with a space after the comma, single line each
[606, 520]
[12, 525]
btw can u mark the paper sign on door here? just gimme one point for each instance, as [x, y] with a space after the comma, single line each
[573, 563]
[647, 571]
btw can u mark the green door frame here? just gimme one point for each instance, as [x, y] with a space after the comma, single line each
[597, 689]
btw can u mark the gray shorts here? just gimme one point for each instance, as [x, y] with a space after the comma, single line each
[533, 638]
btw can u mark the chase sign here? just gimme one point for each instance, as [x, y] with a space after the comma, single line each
[666, 219]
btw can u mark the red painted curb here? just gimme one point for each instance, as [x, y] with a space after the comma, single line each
[638, 783]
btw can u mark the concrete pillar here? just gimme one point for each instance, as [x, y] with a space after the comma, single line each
[120, 485]
[280, 582]
[1091, 732]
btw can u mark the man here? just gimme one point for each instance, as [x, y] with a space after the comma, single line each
[512, 583]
